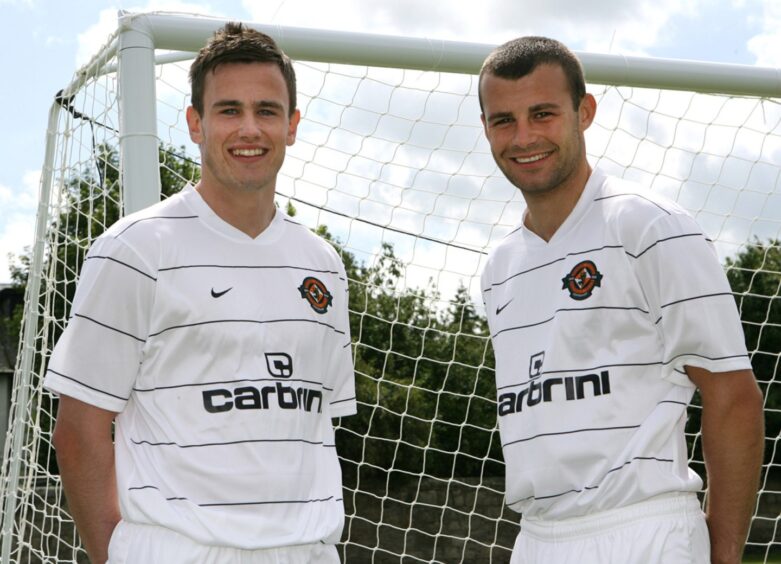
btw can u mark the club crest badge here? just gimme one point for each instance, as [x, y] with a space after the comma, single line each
[581, 280]
[315, 292]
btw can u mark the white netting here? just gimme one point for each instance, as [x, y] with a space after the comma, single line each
[394, 165]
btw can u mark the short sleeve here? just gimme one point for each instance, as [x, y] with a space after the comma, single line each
[340, 371]
[690, 299]
[97, 357]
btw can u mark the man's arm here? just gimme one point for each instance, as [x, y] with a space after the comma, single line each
[85, 454]
[733, 441]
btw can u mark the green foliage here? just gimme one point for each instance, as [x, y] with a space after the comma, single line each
[755, 278]
[10, 326]
[424, 379]
[91, 203]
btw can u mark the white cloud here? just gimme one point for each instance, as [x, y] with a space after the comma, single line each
[767, 45]
[91, 40]
[605, 26]
[21, 200]
[15, 236]
[17, 219]
[95, 36]
[27, 198]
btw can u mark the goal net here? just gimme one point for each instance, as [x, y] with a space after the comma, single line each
[392, 166]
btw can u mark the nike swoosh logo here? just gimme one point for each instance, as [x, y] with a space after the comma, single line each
[219, 294]
[500, 309]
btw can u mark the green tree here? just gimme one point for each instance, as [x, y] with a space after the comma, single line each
[10, 325]
[424, 378]
[91, 203]
[755, 277]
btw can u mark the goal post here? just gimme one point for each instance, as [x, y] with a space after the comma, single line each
[390, 164]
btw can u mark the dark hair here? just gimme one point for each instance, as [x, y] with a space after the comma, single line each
[519, 57]
[236, 43]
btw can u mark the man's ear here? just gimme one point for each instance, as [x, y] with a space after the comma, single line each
[194, 125]
[587, 111]
[292, 127]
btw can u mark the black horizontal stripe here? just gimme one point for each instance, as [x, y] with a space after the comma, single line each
[153, 218]
[131, 267]
[632, 195]
[80, 383]
[700, 297]
[274, 502]
[571, 432]
[227, 382]
[581, 370]
[236, 503]
[144, 488]
[652, 245]
[565, 257]
[623, 365]
[587, 488]
[343, 400]
[249, 267]
[594, 250]
[684, 404]
[569, 309]
[255, 321]
[703, 296]
[95, 321]
[519, 327]
[225, 443]
[673, 359]
[532, 269]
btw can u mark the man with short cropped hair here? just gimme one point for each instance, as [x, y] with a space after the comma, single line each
[213, 329]
[607, 308]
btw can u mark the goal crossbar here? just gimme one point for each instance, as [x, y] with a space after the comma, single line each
[167, 31]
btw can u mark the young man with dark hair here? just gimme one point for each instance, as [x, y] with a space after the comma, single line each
[608, 307]
[214, 330]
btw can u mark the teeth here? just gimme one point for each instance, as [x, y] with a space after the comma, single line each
[532, 159]
[249, 152]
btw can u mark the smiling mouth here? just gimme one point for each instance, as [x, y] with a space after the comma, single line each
[249, 152]
[531, 159]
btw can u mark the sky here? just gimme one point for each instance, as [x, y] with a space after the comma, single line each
[44, 41]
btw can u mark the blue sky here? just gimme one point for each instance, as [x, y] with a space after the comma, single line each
[50, 39]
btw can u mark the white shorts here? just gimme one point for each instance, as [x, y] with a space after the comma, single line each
[132, 543]
[668, 529]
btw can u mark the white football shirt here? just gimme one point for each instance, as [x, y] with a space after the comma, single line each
[226, 358]
[591, 332]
